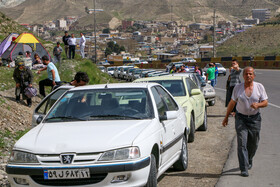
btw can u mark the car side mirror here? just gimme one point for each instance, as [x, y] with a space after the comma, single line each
[195, 92]
[39, 119]
[169, 115]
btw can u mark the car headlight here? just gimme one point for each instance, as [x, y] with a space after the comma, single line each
[22, 157]
[121, 154]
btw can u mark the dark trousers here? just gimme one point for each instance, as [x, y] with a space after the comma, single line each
[72, 51]
[66, 48]
[42, 84]
[248, 136]
[20, 90]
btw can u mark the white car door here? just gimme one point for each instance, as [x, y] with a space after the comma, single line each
[168, 128]
[45, 105]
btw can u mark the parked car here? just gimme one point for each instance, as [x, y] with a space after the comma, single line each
[189, 96]
[136, 74]
[110, 70]
[221, 69]
[103, 135]
[207, 90]
[123, 71]
[103, 63]
[177, 64]
[129, 72]
[101, 68]
[188, 59]
[117, 71]
[141, 62]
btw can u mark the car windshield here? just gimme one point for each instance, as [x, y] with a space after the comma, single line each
[175, 87]
[110, 69]
[138, 71]
[102, 104]
[219, 65]
[131, 70]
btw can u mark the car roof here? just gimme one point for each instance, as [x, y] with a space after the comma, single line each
[115, 86]
[165, 77]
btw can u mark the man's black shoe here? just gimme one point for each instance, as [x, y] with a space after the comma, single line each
[250, 166]
[244, 174]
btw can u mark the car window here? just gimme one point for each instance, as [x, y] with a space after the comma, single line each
[45, 106]
[103, 104]
[171, 104]
[191, 85]
[159, 102]
[219, 65]
[175, 87]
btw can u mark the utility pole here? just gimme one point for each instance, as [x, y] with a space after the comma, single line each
[95, 53]
[94, 24]
[171, 13]
[214, 33]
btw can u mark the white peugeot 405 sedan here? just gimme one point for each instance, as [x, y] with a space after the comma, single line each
[103, 135]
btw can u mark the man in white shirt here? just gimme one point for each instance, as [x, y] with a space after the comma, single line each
[72, 46]
[82, 45]
[249, 97]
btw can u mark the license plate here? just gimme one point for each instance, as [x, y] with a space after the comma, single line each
[67, 173]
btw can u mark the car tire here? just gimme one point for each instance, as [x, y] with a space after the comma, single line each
[211, 103]
[204, 126]
[182, 163]
[192, 130]
[152, 179]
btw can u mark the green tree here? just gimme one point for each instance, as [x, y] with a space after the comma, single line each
[122, 48]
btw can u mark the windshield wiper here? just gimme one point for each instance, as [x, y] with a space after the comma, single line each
[114, 116]
[66, 117]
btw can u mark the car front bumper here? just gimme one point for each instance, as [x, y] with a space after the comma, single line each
[102, 174]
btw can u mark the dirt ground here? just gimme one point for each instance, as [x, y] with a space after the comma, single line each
[207, 154]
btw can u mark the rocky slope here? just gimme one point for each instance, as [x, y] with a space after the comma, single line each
[37, 11]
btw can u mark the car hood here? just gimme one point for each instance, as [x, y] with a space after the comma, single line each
[79, 137]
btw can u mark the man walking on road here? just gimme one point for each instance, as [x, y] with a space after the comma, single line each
[82, 45]
[210, 74]
[249, 97]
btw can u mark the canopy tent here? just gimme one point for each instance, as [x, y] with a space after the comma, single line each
[24, 42]
[7, 42]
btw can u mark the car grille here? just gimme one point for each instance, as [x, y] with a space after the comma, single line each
[84, 158]
[94, 178]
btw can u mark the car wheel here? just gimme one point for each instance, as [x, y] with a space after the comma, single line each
[152, 180]
[204, 126]
[182, 163]
[211, 103]
[192, 130]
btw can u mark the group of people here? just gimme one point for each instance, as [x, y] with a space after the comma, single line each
[184, 69]
[244, 100]
[70, 45]
[23, 77]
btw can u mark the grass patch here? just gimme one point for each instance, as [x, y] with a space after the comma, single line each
[20, 133]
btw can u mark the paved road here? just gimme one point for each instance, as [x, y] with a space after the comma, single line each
[266, 165]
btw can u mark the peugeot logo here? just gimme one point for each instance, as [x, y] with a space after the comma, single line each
[67, 158]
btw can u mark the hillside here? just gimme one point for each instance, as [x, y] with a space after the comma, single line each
[37, 11]
[262, 40]
[8, 26]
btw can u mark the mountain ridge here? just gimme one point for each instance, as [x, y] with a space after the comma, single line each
[38, 11]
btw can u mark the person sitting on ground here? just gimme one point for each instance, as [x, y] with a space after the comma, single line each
[37, 63]
[53, 75]
[23, 78]
[28, 59]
